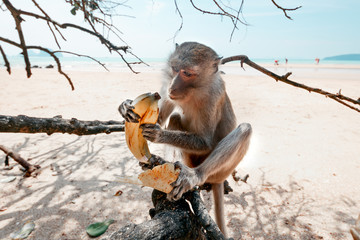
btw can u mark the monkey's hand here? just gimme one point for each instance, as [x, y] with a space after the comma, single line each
[153, 162]
[187, 180]
[152, 132]
[126, 111]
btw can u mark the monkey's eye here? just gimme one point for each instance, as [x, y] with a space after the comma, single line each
[187, 74]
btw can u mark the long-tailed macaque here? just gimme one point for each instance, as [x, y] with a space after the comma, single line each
[205, 129]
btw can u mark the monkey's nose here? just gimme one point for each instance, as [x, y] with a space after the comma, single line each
[172, 94]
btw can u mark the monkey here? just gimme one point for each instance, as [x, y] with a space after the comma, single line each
[204, 130]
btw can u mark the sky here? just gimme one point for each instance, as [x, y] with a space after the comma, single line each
[319, 28]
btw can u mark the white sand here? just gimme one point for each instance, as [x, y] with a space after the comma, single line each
[304, 159]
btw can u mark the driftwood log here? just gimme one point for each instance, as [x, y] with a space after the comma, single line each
[173, 220]
[25, 124]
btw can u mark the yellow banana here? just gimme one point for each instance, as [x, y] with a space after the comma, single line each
[146, 106]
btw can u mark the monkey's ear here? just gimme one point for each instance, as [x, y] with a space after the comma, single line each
[216, 63]
[218, 59]
[176, 46]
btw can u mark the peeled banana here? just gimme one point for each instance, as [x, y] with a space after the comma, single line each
[146, 106]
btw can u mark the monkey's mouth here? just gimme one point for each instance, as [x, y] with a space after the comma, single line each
[175, 94]
[174, 97]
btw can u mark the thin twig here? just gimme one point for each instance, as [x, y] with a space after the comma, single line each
[46, 15]
[81, 55]
[232, 17]
[224, 13]
[109, 45]
[16, 15]
[52, 54]
[56, 59]
[285, 9]
[7, 64]
[28, 166]
[238, 13]
[177, 10]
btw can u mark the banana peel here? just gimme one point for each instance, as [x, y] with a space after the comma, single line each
[146, 106]
[159, 178]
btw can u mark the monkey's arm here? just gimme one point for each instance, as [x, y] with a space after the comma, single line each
[218, 165]
[185, 140]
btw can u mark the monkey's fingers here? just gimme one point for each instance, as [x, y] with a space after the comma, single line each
[150, 131]
[182, 188]
[178, 165]
[132, 117]
[145, 166]
[126, 111]
[149, 126]
[156, 160]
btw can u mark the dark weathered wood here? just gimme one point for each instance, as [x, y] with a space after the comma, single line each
[169, 220]
[212, 230]
[28, 167]
[25, 124]
[173, 220]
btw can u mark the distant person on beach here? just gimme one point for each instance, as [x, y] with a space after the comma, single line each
[286, 61]
[317, 60]
[276, 62]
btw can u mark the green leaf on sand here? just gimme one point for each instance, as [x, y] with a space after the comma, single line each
[24, 232]
[97, 229]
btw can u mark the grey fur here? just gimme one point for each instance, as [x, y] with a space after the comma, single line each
[205, 129]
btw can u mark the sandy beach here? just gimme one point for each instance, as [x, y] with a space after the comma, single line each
[303, 162]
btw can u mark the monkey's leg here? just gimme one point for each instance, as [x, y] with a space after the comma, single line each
[217, 166]
[226, 155]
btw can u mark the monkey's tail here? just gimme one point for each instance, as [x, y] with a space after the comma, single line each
[218, 193]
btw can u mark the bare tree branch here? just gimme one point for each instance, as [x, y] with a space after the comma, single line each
[46, 15]
[81, 55]
[177, 10]
[285, 9]
[337, 97]
[7, 64]
[52, 54]
[235, 23]
[28, 167]
[25, 124]
[88, 8]
[222, 13]
[18, 20]
[56, 59]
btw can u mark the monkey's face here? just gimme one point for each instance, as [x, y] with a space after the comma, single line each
[191, 66]
[184, 81]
